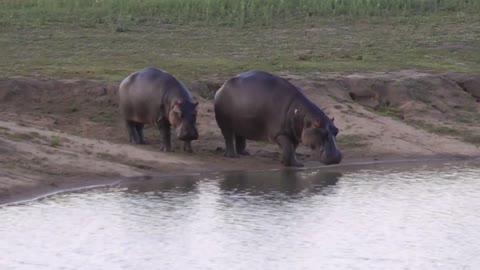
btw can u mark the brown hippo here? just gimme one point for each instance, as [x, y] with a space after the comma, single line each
[153, 96]
[259, 106]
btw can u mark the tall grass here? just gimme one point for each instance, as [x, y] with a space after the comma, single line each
[232, 12]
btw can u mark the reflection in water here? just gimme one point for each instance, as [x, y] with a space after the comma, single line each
[289, 182]
[418, 218]
[177, 184]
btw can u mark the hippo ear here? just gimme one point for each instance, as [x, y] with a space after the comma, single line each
[316, 123]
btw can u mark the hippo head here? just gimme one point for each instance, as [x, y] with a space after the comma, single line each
[320, 135]
[183, 117]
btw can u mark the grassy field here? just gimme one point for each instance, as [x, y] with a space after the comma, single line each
[231, 12]
[108, 39]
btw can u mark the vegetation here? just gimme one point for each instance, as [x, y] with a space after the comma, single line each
[472, 138]
[19, 137]
[54, 142]
[387, 110]
[230, 12]
[348, 141]
[462, 133]
[76, 50]
[33, 136]
[108, 39]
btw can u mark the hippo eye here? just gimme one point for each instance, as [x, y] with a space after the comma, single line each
[323, 132]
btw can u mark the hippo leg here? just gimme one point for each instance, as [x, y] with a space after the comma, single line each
[187, 146]
[164, 128]
[139, 129]
[241, 145]
[132, 132]
[229, 144]
[288, 152]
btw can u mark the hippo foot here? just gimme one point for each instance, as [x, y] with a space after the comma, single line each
[166, 149]
[131, 140]
[187, 150]
[230, 155]
[187, 147]
[293, 163]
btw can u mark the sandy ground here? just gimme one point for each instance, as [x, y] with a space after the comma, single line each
[62, 134]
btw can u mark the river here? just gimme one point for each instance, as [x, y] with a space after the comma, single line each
[416, 216]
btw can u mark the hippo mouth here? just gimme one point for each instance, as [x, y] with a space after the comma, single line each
[192, 135]
[188, 137]
[330, 154]
[331, 159]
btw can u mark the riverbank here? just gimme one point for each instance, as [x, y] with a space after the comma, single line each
[62, 63]
[61, 134]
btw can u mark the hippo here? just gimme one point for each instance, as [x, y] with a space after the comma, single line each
[153, 96]
[260, 106]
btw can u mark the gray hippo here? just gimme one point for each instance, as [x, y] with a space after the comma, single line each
[153, 96]
[260, 106]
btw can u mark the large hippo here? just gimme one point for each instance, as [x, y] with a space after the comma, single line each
[259, 106]
[153, 96]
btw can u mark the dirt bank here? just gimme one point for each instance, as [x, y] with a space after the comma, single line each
[59, 134]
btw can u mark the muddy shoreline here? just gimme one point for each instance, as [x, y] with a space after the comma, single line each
[63, 134]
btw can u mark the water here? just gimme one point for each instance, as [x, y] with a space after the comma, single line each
[423, 217]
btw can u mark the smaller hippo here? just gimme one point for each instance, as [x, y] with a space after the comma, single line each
[153, 96]
[260, 106]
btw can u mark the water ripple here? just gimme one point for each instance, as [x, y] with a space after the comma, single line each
[423, 217]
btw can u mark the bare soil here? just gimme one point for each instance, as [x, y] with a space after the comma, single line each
[57, 134]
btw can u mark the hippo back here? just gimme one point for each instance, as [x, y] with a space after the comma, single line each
[255, 103]
[143, 94]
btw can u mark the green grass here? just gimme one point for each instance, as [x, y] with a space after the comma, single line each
[223, 12]
[445, 130]
[386, 110]
[33, 136]
[467, 135]
[54, 142]
[109, 39]
[20, 136]
[472, 138]
[68, 50]
[104, 117]
[351, 141]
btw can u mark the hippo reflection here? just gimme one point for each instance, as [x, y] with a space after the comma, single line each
[162, 185]
[287, 182]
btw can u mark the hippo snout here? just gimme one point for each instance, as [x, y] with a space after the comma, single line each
[333, 158]
[188, 135]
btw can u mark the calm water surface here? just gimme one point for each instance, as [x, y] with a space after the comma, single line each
[417, 217]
